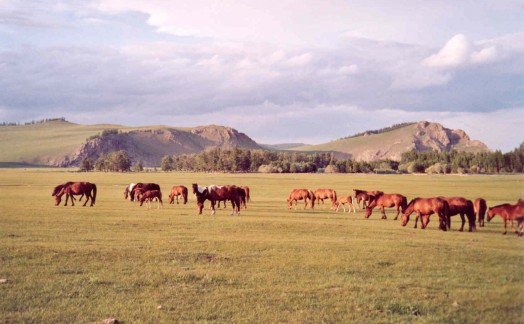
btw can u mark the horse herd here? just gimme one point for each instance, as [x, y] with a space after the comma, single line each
[443, 207]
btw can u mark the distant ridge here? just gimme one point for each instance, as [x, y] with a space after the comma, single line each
[393, 141]
[57, 142]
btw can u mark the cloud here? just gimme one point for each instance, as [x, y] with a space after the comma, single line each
[459, 51]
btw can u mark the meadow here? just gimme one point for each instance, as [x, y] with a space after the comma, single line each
[270, 264]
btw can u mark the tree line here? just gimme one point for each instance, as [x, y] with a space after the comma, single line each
[266, 161]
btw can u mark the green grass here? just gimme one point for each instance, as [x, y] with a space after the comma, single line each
[82, 265]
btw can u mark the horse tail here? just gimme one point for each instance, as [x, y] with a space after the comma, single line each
[312, 195]
[184, 194]
[472, 216]
[404, 203]
[93, 199]
[334, 197]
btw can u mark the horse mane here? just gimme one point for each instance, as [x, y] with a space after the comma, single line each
[501, 205]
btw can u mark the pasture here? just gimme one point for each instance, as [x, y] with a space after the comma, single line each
[270, 264]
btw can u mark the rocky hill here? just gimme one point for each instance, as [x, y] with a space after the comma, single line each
[149, 146]
[421, 136]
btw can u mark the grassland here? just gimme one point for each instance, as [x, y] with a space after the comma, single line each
[82, 265]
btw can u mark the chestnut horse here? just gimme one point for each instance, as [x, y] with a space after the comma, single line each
[301, 194]
[150, 195]
[246, 190]
[343, 200]
[76, 188]
[178, 191]
[480, 206]
[461, 206]
[424, 207]
[364, 196]
[321, 194]
[215, 193]
[58, 188]
[140, 188]
[511, 213]
[386, 200]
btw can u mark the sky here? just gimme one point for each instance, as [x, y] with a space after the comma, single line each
[286, 71]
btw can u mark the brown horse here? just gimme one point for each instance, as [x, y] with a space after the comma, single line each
[140, 188]
[461, 206]
[176, 191]
[386, 200]
[129, 192]
[301, 194]
[321, 194]
[59, 188]
[76, 188]
[511, 213]
[480, 206]
[246, 190]
[215, 193]
[343, 200]
[151, 195]
[424, 207]
[365, 196]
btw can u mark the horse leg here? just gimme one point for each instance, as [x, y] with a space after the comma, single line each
[383, 212]
[305, 203]
[212, 207]
[88, 195]
[463, 222]
[505, 220]
[398, 212]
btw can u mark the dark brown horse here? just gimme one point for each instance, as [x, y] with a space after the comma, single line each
[424, 207]
[343, 200]
[511, 213]
[386, 200]
[215, 193]
[321, 194]
[301, 194]
[461, 206]
[178, 190]
[151, 195]
[76, 188]
[480, 206]
[140, 188]
[365, 196]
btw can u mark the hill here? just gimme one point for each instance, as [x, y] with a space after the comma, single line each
[61, 143]
[378, 145]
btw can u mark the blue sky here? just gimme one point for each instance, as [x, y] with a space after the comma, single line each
[279, 71]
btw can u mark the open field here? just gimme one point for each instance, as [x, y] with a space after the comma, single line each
[84, 264]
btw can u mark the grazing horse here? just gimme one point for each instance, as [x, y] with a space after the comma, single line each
[77, 188]
[128, 192]
[178, 191]
[424, 207]
[59, 188]
[342, 200]
[511, 213]
[301, 194]
[150, 195]
[365, 196]
[386, 200]
[215, 193]
[480, 206]
[140, 188]
[246, 189]
[461, 206]
[321, 194]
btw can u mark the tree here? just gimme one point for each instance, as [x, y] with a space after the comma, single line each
[167, 163]
[86, 165]
[101, 164]
[119, 161]
[138, 167]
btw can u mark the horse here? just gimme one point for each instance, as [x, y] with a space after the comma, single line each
[59, 188]
[461, 206]
[176, 191]
[128, 192]
[301, 194]
[321, 194]
[77, 188]
[386, 200]
[140, 188]
[246, 189]
[342, 200]
[215, 193]
[509, 212]
[480, 206]
[364, 196]
[424, 207]
[150, 195]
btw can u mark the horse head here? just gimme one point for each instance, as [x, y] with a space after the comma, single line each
[491, 214]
